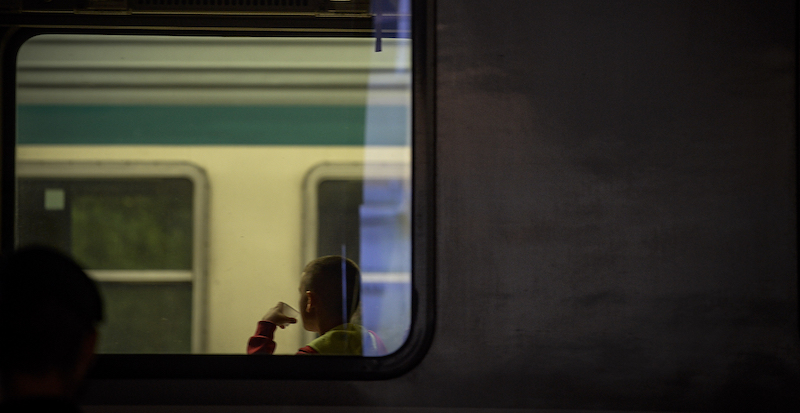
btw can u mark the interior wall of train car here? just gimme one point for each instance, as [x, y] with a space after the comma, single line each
[616, 222]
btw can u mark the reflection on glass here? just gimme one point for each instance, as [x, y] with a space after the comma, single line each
[192, 265]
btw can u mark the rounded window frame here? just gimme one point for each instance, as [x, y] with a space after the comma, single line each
[16, 28]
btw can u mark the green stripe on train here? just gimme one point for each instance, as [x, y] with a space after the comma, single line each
[211, 125]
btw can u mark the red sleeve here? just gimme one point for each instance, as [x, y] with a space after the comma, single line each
[262, 342]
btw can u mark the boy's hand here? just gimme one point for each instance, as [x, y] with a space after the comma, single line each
[281, 315]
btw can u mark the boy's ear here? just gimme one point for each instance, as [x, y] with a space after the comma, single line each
[311, 301]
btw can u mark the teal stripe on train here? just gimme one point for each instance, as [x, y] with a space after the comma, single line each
[210, 125]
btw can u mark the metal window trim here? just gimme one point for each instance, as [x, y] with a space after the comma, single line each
[141, 276]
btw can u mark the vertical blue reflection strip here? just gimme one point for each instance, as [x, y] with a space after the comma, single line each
[385, 219]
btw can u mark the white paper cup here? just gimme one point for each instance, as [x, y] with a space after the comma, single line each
[288, 311]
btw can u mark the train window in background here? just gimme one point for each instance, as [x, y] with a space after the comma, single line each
[366, 210]
[139, 230]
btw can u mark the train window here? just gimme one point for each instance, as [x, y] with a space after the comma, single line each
[366, 208]
[302, 139]
[138, 229]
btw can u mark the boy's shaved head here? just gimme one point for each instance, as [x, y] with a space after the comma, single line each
[330, 275]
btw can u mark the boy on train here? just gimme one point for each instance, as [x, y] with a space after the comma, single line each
[325, 311]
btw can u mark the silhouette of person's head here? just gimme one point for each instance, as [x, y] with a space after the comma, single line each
[325, 280]
[49, 310]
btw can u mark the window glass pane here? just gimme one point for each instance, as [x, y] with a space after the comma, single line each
[133, 231]
[256, 116]
[110, 223]
[162, 321]
[339, 220]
